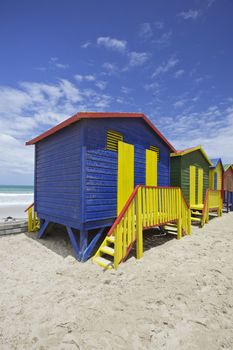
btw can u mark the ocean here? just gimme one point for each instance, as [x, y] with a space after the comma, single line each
[16, 195]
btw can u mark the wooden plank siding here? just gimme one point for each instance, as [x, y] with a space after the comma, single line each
[58, 177]
[76, 176]
[228, 179]
[176, 171]
[195, 158]
[100, 201]
[180, 172]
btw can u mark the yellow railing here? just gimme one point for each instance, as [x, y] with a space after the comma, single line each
[185, 215]
[33, 221]
[205, 210]
[215, 201]
[212, 202]
[148, 207]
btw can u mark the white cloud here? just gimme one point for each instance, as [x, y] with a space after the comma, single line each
[62, 66]
[164, 39]
[166, 66]
[101, 84]
[12, 100]
[14, 156]
[70, 91]
[152, 86]
[145, 31]
[210, 3]
[88, 77]
[112, 43]
[86, 45]
[53, 59]
[199, 80]
[179, 73]
[195, 99]
[179, 104]
[110, 68]
[138, 58]
[190, 14]
[211, 128]
[125, 90]
[33, 107]
[53, 64]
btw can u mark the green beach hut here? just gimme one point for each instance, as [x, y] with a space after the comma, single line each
[190, 172]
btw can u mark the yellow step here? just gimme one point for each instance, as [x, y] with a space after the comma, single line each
[170, 228]
[196, 206]
[111, 239]
[107, 250]
[196, 213]
[107, 264]
[195, 219]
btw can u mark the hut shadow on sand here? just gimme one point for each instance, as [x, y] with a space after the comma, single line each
[57, 240]
[153, 238]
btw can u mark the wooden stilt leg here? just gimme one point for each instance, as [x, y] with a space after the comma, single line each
[74, 243]
[43, 227]
[88, 252]
[83, 243]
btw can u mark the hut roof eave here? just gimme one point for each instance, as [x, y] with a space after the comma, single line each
[190, 150]
[89, 115]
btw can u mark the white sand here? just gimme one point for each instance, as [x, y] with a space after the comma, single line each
[179, 296]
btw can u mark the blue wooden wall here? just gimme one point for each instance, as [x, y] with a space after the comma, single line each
[58, 176]
[76, 177]
[100, 177]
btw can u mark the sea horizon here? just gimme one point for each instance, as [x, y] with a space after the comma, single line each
[13, 195]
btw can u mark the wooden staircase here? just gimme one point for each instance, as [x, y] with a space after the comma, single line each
[105, 254]
[212, 203]
[147, 207]
[197, 214]
[170, 228]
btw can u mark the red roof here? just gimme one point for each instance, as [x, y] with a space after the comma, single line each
[89, 115]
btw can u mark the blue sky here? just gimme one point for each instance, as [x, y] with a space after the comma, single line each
[171, 60]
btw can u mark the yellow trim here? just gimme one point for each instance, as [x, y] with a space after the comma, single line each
[190, 150]
[151, 168]
[192, 185]
[200, 186]
[125, 183]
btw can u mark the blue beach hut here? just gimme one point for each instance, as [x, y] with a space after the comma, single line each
[87, 167]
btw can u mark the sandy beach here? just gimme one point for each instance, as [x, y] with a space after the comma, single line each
[179, 296]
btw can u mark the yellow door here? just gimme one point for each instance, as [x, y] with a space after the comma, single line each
[192, 185]
[200, 186]
[125, 183]
[151, 168]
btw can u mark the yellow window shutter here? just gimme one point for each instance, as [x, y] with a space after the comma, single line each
[155, 149]
[112, 140]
